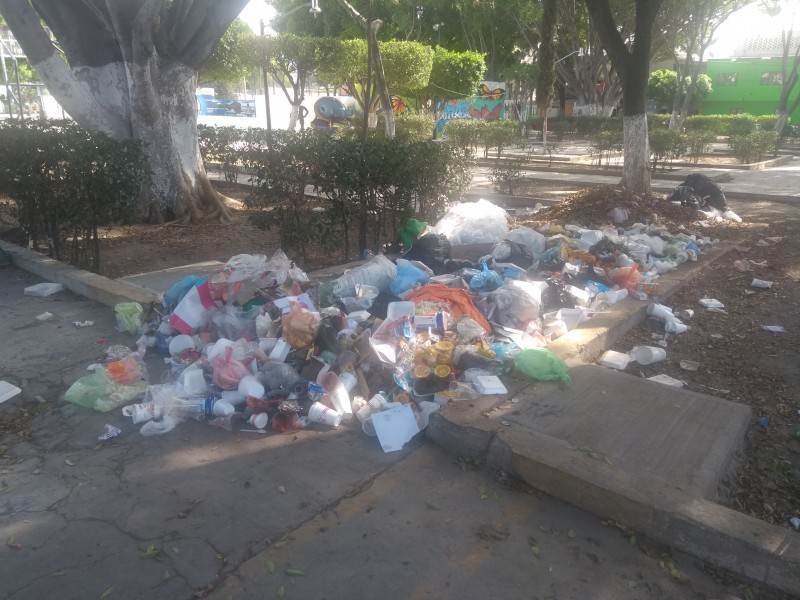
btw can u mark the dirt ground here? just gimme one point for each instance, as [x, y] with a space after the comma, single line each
[737, 359]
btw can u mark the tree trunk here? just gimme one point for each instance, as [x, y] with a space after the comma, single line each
[633, 67]
[129, 78]
[380, 77]
[635, 169]
[546, 60]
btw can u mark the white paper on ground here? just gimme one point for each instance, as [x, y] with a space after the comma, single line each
[8, 391]
[304, 300]
[395, 427]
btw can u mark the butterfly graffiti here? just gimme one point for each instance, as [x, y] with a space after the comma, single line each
[399, 105]
[485, 92]
[484, 112]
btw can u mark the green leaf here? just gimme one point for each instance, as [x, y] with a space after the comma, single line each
[571, 534]
[535, 550]
[281, 489]
[294, 572]
[280, 544]
[432, 506]
[108, 591]
[151, 552]
[59, 574]
[281, 592]
[271, 567]
[632, 540]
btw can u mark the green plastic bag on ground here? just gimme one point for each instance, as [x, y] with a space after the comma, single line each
[99, 392]
[130, 316]
[410, 232]
[541, 364]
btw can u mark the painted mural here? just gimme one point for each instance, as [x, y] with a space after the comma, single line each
[488, 103]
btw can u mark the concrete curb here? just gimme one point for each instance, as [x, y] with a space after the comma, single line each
[90, 285]
[716, 534]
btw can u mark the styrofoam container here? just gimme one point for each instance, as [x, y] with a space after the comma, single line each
[42, 290]
[615, 360]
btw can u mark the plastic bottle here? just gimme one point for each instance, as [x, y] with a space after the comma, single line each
[184, 407]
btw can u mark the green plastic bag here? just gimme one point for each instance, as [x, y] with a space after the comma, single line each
[541, 364]
[410, 232]
[130, 316]
[99, 392]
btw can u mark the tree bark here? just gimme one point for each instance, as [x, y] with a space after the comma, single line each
[633, 67]
[130, 71]
[546, 59]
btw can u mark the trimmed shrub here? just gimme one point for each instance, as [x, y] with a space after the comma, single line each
[753, 147]
[67, 183]
[666, 145]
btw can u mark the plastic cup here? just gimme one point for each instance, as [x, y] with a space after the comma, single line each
[367, 427]
[364, 412]
[685, 314]
[646, 355]
[319, 413]
[259, 420]
[250, 386]
[348, 380]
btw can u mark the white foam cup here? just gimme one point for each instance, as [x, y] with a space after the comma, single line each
[319, 413]
[646, 355]
[221, 408]
[341, 401]
[250, 386]
[141, 413]
[233, 396]
[180, 343]
[659, 311]
[259, 420]
[675, 327]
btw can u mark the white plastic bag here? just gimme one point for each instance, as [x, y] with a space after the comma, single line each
[529, 238]
[478, 222]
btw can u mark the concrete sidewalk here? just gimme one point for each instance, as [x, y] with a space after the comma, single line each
[781, 183]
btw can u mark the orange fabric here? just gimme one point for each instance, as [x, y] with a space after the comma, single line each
[459, 300]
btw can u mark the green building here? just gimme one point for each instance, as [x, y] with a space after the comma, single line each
[750, 81]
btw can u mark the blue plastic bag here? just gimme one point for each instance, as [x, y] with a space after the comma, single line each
[408, 276]
[179, 289]
[487, 280]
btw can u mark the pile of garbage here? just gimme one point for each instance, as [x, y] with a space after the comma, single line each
[258, 346]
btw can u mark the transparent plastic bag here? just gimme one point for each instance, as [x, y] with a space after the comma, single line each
[300, 327]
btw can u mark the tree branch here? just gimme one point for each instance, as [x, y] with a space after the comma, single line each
[600, 13]
[69, 21]
[217, 19]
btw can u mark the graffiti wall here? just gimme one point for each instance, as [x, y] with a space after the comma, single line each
[488, 103]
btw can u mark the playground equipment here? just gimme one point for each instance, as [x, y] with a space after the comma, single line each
[330, 110]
